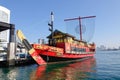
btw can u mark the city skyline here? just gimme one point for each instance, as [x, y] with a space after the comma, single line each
[32, 17]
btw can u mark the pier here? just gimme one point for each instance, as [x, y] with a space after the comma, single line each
[11, 57]
[11, 45]
[9, 54]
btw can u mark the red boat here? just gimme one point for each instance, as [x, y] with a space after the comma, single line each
[61, 46]
[65, 47]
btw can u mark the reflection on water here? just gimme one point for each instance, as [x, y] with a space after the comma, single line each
[105, 67]
[8, 74]
[84, 69]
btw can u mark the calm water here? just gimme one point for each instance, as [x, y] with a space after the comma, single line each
[104, 66]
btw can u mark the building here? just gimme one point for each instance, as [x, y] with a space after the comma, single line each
[4, 17]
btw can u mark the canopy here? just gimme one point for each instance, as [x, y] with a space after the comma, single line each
[4, 26]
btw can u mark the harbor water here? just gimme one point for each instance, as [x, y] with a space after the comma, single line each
[104, 66]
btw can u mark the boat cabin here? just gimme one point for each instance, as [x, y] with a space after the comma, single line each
[61, 37]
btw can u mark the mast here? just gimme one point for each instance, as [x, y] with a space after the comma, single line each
[80, 22]
[80, 25]
[51, 28]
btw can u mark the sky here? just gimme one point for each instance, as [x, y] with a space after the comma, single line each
[32, 17]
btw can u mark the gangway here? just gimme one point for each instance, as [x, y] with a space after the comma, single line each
[30, 49]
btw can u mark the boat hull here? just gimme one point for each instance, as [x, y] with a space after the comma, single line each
[59, 59]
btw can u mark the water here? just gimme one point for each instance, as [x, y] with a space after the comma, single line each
[104, 66]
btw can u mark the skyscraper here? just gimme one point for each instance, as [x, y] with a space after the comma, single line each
[4, 17]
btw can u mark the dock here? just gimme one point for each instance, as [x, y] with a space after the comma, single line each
[10, 56]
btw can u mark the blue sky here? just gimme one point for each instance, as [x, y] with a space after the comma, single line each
[32, 16]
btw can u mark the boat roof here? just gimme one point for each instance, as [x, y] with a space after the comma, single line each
[60, 32]
[79, 40]
[57, 32]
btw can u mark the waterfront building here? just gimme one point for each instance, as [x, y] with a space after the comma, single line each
[4, 17]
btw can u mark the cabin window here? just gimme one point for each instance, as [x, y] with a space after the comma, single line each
[59, 40]
[78, 49]
[81, 43]
[69, 39]
[65, 40]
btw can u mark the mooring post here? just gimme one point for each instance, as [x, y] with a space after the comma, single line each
[11, 47]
